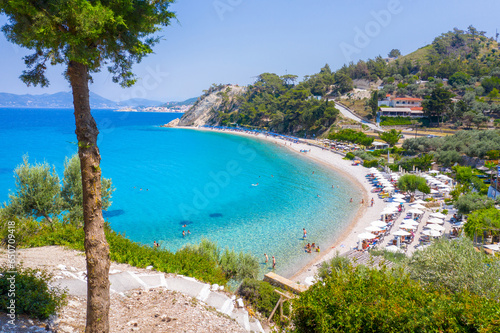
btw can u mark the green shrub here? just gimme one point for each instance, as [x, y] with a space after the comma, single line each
[381, 300]
[395, 121]
[260, 295]
[189, 262]
[350, 156]
[370, 164]
[32, 294]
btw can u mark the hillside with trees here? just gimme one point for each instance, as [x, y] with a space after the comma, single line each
[457, 76]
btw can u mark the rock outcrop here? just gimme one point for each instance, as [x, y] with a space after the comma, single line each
[172, 123]
[205, 111]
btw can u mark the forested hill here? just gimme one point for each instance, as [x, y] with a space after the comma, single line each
[464, 64]
[273, 102]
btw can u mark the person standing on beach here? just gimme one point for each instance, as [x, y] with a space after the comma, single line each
[305, 233]
[351, 200]
[267, 259]
[274, 262]
[372, 202]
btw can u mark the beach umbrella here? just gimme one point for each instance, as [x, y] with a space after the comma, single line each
[432, 233]
[436, 227]
[494, 247]
[401, 233]
[379, 224]
[434, 171]
[398, 200]
[393, 248]
[373, 228]
[435, 220]
[438, 215]
[418, 206]
[410, 222]
[434, 191]
[419, 201]
[399, 196]
[408, 226]
[366, 235]
[415, 211]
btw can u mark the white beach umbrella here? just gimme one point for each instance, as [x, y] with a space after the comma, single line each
[494, 247]
[419, 201]
[401, 233]
[415, 211]
[379, 224]
[398, 200]
[393, 248]
[366, 235]
[399, 196]
[438, 215]
[432, 233]
[410, 222]
[417, 206]
[436, 227]
[373, 228]
[434, 171]
[435, 220]
[434, 191]
[408, 226]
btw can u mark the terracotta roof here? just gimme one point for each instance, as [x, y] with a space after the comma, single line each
[417, 108]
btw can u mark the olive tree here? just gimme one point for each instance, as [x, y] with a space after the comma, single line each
[456, 266]
[37, 192]
[411, 183]
[83, 36]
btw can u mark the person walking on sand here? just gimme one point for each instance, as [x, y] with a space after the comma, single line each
[304, 233]
[362, 201]
[267, 259]
[351, 200]
[372, 202]
[274, 262]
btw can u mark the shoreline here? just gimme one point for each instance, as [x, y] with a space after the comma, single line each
[355, 174]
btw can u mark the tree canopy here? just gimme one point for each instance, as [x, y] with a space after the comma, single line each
[92, 33]
[391, 137]
[412, 183]
[37, 191]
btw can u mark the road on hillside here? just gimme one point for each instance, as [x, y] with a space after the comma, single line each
[349, 114]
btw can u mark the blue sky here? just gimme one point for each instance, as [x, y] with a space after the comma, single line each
[233, 41]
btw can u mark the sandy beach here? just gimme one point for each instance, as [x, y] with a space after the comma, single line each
[356, 174]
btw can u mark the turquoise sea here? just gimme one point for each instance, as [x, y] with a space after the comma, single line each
[166, 178]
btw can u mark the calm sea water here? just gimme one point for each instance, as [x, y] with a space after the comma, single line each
[166, 178]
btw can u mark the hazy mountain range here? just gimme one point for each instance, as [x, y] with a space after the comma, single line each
[65, 100]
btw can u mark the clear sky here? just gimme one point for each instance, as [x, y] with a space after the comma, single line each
[233, 41]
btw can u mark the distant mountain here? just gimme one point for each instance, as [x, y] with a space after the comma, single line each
[188, 101]
[65, 100]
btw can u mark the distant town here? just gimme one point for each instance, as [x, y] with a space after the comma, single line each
[168, 109]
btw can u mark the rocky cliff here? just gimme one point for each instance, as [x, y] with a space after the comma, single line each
[219, 98]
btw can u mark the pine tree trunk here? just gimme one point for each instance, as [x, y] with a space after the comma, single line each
[96, 246]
